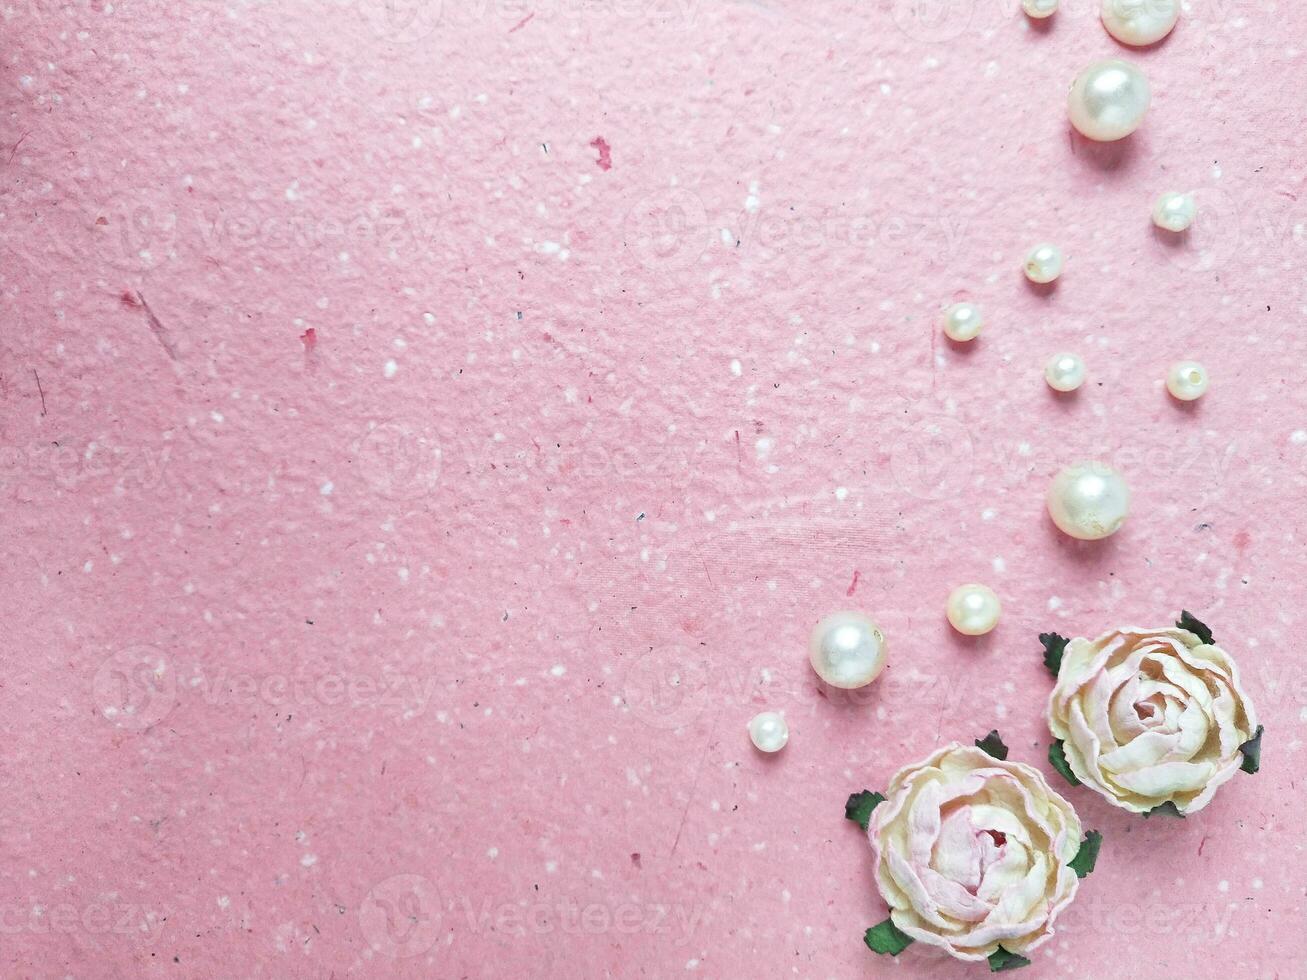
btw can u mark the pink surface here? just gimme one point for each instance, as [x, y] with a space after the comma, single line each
[427, 442]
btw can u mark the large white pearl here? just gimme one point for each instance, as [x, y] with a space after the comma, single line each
[1140, 22]
[1108, 100]
[1089, 501]
[1186, 380]
[963, 321]
[973, 610]
[1044, 263]
[768, 732]
[847, 650]
[1039, 9]
[1175, 211]
[1064, 372]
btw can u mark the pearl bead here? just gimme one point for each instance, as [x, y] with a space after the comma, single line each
[1089, 501]
[847, 650]
[1039, 9]
[1064, 372]
[963, 321]
[973, 610]
[1175, 211]
[1140, 22]
[1186, 380]
[1108, 100]
[1044, 263]
[768, 732]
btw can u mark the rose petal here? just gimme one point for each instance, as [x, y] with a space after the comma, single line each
[1194, 803]
[1011, 867]
[1162, 781]
[958, 850]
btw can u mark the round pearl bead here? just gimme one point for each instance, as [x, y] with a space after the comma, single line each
[768, 732]
[1186, 380]
[1039, 9]
[1089, 501]
[1175, 211]
[1044, 263]
[973, 610]
[1140, 22]
[1108, 100]
[963, 321]
[1064, 372]
[847, 650]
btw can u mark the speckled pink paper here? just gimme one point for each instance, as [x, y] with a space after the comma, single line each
[427, 436]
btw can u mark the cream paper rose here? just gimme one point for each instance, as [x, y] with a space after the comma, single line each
[972, 854]
[1151, 717]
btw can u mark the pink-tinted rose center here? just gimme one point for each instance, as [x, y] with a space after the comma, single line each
[965, 852]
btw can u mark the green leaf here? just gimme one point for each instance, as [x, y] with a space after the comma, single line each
[1054, 644]
[1188, 621]
[859, 807]
[1057, 757]
[1001, 960]
[1087, 856]
[1252, 752]
[887, 939]
[992, 744]
[1167, 809]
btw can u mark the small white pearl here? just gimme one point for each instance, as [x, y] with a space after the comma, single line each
[1089, 501]
[973, 610]
[847, 650]
[1175, 211]
[1044, 263]
[963, 321]
[1186, 380]
[1064, 372]
[768, 732]
[1108, 100]
[1140, 22]
[1039, 9]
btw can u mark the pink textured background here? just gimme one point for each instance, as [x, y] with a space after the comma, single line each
[448, 430]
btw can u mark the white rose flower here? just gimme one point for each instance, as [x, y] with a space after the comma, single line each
[1151, 716]
[972, 853]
